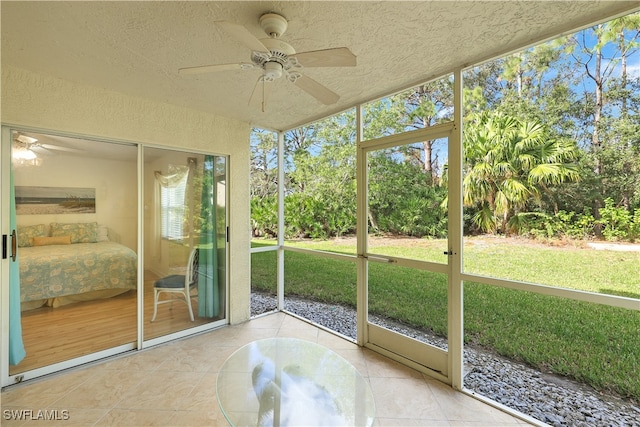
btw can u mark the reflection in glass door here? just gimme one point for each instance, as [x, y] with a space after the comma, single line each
[185, 240]
[407, 255]
[76, 207]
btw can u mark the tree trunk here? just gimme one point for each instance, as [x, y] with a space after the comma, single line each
[372, 220]
[597, 111]
[623, 65]
[428, 162]
[597, 118]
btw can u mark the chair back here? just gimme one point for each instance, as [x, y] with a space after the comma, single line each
[191, 278]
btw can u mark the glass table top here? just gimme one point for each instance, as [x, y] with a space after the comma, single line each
[288, 382]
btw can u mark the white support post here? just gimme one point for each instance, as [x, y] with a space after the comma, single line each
[456, 309]
[5, 148]
[361, 232]
[280, 252]
[141, 266]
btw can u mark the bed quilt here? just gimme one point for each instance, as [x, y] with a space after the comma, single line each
[60, 270]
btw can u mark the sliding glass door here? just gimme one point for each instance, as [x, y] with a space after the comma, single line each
[185, 240]
[74, 279]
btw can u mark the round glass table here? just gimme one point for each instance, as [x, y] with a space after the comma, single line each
[289, 382]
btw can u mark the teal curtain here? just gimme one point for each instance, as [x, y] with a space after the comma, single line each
[208, 292]
[16, 346]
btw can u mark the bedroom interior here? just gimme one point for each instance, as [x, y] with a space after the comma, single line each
[78, 260]
[98, 86]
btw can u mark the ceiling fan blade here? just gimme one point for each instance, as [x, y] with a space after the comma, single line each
[40, 150]
[24, 139]
[58, 148]
[213, 68]
[336, 57]
[243, 35]
[316, 90]
[260, 94]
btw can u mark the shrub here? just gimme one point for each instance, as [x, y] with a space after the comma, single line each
[617, 222]
[264, 216]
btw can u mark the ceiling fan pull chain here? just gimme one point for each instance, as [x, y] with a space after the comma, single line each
[264, 96]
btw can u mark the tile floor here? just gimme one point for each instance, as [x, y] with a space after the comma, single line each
[174, 385]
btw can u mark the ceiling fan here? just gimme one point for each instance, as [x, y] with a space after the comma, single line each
[25, 145]
[277, 59]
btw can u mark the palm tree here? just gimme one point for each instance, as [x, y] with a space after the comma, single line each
[508, 163]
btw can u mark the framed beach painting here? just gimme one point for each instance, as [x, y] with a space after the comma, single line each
[54, 200]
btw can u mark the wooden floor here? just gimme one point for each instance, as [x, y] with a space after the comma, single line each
[53, 335]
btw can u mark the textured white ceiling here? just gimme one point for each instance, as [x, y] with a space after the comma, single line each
[137, 47]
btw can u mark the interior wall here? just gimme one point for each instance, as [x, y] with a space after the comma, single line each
[116, 198]
[33, 100]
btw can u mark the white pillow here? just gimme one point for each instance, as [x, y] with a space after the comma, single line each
[103, 233]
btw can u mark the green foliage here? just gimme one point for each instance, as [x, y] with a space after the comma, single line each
[317, 218]
[320, 199]
[634, 229]
[263, 163]
[619, 154]
[537, 224]
[301, 212]
[509, 164]
[264, 216]
[402, 198]
[559, 225]
[618, 223]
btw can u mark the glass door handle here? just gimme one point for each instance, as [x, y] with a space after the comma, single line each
[377, 258]
[14, 246]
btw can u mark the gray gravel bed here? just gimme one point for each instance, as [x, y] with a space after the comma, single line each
[550, 399]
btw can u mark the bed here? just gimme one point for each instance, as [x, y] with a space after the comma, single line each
[62, 268]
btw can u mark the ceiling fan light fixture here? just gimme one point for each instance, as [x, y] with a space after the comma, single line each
[22, 156]
[22, 153]
[272, 71]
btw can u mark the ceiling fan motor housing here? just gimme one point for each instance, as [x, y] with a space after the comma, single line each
[273, 24]
[277, 60]
[278, 48]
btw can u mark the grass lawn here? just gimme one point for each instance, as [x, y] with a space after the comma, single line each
[594, 344]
